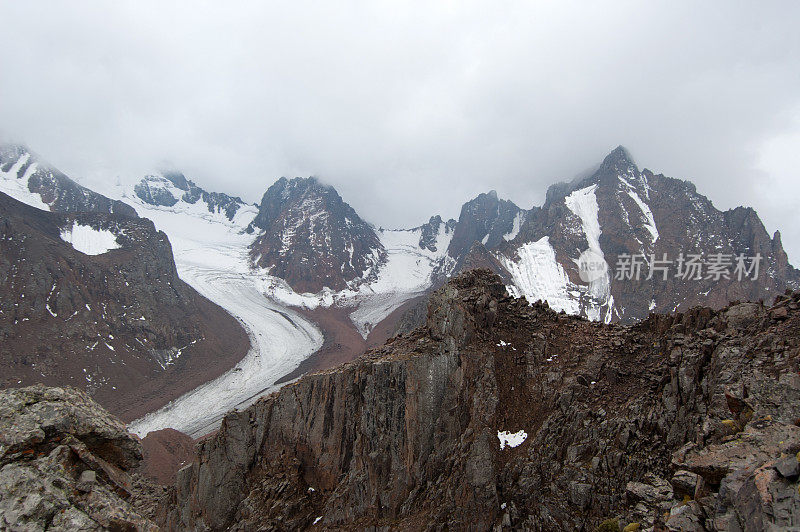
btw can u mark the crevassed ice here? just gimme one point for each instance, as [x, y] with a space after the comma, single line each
[88, 240]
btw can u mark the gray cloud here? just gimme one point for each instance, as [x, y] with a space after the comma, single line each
[408, 108]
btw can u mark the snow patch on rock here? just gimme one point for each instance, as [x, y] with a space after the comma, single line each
[511, 439]
[649, 220]
[518, 219]
[88, 240]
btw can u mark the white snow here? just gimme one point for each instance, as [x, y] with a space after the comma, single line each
[518, 219]
[649, 221]
[88, 240]
[511, 439]
[407, 273]
[536, 274]
[17, 186]
[583, 204]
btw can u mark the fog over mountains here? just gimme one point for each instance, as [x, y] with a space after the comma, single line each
[415, 104]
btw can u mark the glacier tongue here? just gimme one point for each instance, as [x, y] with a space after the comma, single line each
[211, 254]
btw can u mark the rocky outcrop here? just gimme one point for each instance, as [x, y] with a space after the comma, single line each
[65, 464]
[498, 414]
[311, 238]
[430, 232]
[116, 322]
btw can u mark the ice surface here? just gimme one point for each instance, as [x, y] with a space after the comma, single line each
[515, 228]
[583, 204]
[88, 240]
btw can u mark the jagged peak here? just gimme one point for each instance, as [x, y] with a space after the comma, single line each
[619, 157]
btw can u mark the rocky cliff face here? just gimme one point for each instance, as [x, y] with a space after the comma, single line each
[23, 172]
[65, 465]
[498, 414]
[311, 238]
[94, 301]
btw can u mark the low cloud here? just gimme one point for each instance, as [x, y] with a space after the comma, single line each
[411, 108]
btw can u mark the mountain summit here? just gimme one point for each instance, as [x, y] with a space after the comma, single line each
[312, 239]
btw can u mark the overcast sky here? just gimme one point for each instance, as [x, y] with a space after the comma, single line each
[409, 108]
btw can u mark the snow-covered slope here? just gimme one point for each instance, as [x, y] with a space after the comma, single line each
[14, 178]
[28, 179]
[583, 204]
[536, 274]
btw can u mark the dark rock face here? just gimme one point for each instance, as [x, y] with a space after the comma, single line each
[151, 190]
[57, 190]
[119, 324]
[167, 189]
[485, 219]
[312, 239]
[610, 423]
[65, 464]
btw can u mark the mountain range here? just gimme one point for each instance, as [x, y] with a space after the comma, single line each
[312, 284]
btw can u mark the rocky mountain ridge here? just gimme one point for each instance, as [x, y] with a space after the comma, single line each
[24, 176]
[500, 415]
[94, 300]
[616, 212]
[619, 211]
[495, 415]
